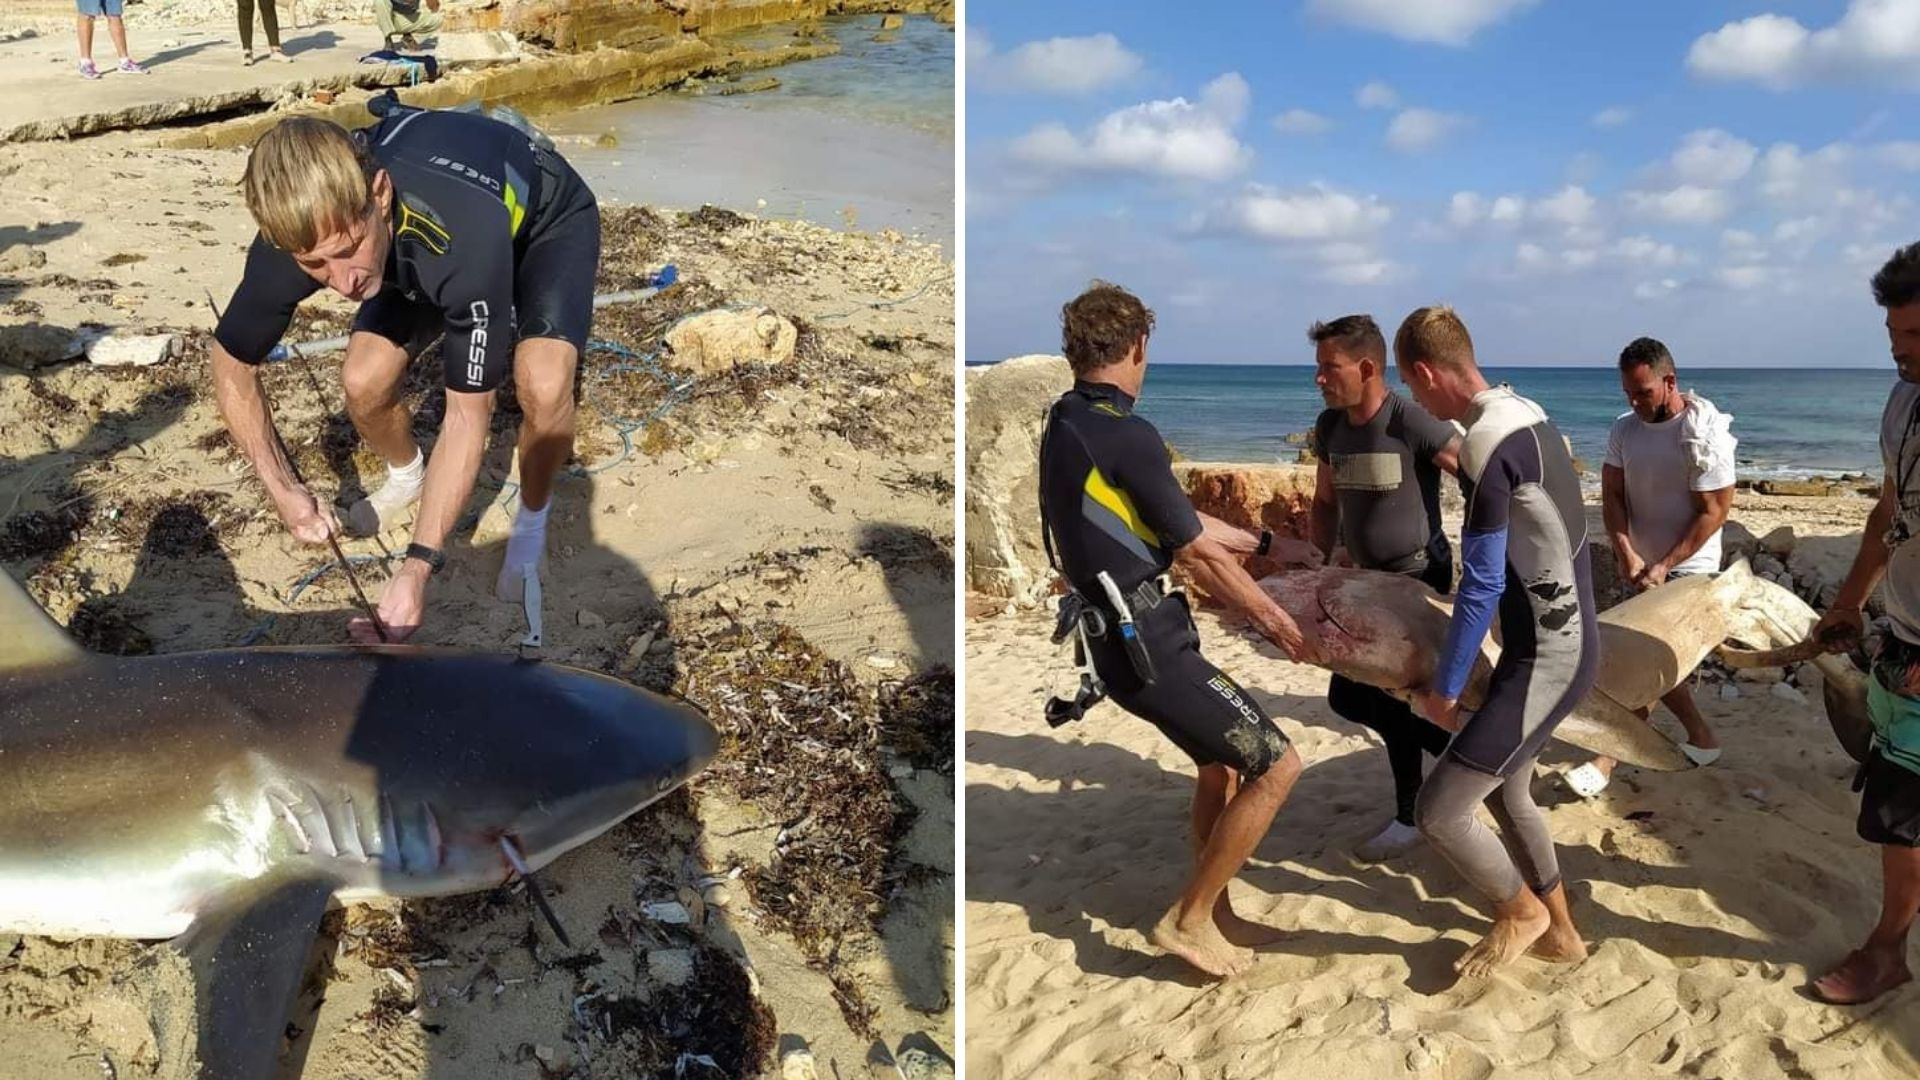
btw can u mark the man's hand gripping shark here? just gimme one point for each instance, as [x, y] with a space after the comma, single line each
[1386, 630]
[224, 798]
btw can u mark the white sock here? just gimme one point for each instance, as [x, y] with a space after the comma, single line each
[412, 474]
[528, 537]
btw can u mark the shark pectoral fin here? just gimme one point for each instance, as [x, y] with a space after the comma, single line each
[32, 638]
[248, 957]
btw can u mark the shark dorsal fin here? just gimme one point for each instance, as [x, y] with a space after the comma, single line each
[29, 638]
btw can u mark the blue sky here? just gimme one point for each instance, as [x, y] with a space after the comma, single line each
[1568, 175]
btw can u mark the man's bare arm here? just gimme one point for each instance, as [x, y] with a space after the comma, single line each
[1218, 571]
[1326, 510]
[1710, 509]
[453, 467]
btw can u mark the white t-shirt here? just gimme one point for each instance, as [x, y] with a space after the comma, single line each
[1900, 453]
[1663, 473]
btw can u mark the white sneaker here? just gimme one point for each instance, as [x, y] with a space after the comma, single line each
[385, 509]
[1393, 841]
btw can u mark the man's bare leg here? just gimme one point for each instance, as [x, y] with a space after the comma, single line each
[543, 374]
[1881, 964]
[117, 30]
[371, 376]
[1188, 929]
[84, 28]
[1517, 924]
[1561, 943]
[1680, 701]
[1216, 787]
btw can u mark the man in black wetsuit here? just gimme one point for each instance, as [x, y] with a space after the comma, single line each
[437, 222]
[1377, 493]
[1523, 552]
[1112, 506]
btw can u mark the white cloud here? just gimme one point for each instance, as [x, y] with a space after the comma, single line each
[1874, 39]
[1713, 158]
[1443, 22]
[1744, 278]
[1531, 258]
[1788, 176]
[1612, 117]
[1570, 206]
[1687, 204]
[1177, 138]
[1655, 290]
[1319, 213]
[1416, 130]
[1062, 65]
[1376, 95]
[1507, 209]
[1301, 122]
[1646, 251]
[1796, 229]
[1366, 272]
[1904, 156]
[1466, 209]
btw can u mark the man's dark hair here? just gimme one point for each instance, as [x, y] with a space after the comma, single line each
[1898, 283]
[1649, 352]
[1356, 335]
[1100, 325]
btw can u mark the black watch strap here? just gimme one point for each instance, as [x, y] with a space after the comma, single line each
[1266, 542]
[431, 556]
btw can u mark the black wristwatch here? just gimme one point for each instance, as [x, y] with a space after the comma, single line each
[1266, 542]
[431, 556]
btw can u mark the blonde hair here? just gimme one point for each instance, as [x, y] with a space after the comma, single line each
[307, 179]
[1434, 336]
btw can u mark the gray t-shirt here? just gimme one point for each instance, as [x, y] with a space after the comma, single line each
[1900, 452]
[1384, 476]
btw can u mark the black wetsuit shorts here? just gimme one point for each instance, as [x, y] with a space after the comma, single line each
[1192, 702]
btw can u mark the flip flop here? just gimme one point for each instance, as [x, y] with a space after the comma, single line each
[1699, 756]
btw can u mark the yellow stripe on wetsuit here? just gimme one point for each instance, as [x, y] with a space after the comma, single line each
[1117, 501]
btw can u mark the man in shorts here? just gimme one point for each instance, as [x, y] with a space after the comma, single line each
[116, 29]
[436, 222]
[1112, 508]
[1666, 487]
[1889, 782]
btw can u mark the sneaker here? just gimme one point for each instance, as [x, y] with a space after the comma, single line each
[1700, 755]
[384, 509]
[279, 57]
[1391, 842]
[127, 66]
[88, 71]
[246, 58]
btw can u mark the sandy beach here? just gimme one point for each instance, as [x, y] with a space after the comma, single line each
[777, 532]
[1707, 898]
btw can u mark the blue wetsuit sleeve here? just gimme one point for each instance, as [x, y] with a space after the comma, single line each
[1483, 578]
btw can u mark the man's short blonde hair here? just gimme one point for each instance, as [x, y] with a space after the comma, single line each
[306, 180]
[1434, 336]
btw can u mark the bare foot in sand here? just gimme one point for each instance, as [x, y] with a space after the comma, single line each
[1862, 976]
[1243, 932]
[1508, 941]
[1560, 945]
[1203, 948]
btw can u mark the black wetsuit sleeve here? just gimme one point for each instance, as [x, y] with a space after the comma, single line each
[1146, 473]
[261, 307]
[1322, 431]
[1424, 433]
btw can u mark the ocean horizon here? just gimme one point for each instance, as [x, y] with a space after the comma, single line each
[1791, 422]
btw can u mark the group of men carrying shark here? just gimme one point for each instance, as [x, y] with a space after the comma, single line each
[1117, 521]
